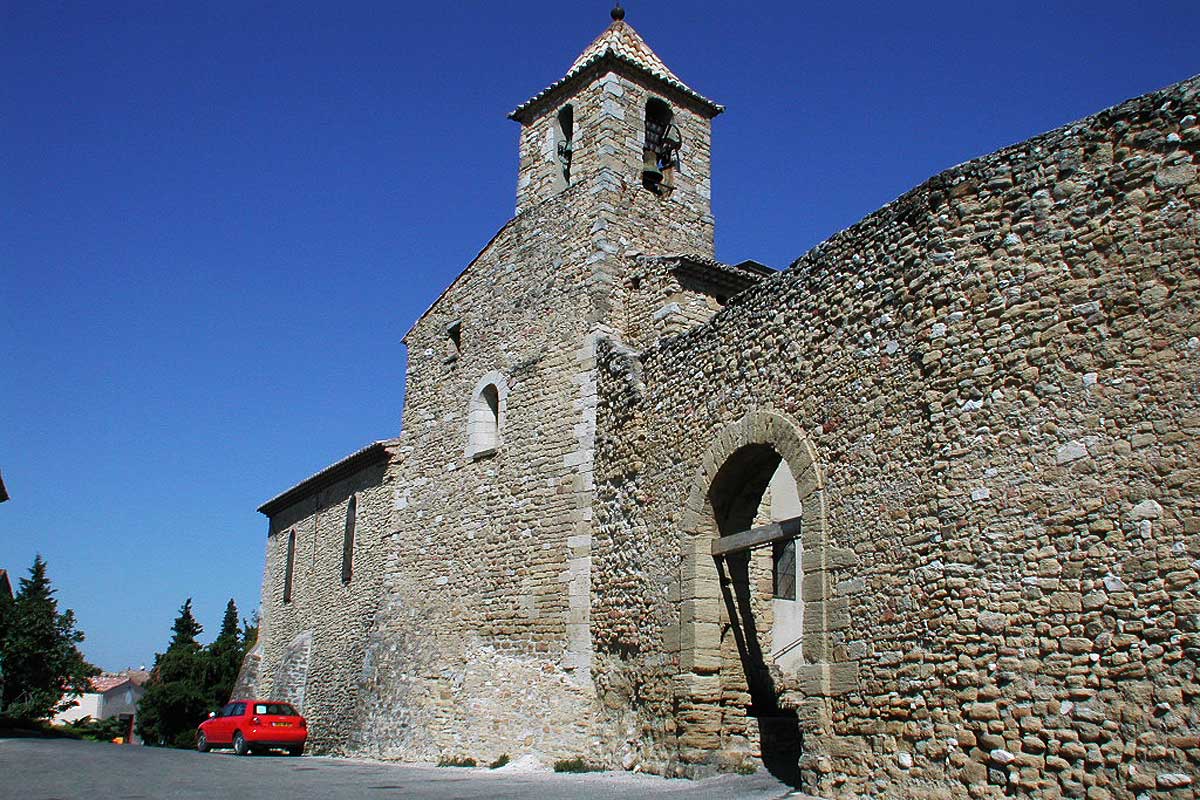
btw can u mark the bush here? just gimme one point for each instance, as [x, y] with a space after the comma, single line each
[499, 762]
[34, 729]
[456, 762]
[97, 730]
[576, 764]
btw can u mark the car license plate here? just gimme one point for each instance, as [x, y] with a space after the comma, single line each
[282, 724]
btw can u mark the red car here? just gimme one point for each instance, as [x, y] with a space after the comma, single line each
[253, 725]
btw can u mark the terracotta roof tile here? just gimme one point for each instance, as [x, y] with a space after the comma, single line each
[621, 42]
[103, 683]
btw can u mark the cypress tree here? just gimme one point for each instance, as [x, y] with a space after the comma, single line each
[177, 698]
[224, 657]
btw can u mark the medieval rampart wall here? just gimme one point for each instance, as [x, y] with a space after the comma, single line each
[996, 380]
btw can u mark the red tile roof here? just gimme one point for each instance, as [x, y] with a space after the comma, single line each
[106, 683]
[623, 44]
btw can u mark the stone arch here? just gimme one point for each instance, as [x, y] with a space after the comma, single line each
[486, 415]
[722, 499]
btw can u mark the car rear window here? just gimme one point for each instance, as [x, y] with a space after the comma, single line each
[275, 709]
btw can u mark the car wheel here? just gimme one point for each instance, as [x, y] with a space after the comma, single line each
[239, 744]
[201, 742]
[296, 751]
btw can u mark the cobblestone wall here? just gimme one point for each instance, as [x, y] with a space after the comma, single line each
[989, 393]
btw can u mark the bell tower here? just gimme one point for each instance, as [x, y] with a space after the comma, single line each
[621, 138]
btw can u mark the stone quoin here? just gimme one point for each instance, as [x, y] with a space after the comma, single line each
[917, 516]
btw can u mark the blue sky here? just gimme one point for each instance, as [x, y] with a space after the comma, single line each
[217, 220]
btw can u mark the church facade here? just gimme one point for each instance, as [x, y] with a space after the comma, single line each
[919, 511]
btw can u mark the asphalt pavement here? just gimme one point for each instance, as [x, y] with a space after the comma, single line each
[64, 769]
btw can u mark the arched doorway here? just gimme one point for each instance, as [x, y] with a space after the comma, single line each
[753, 534]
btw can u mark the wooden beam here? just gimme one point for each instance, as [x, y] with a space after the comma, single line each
[756, 537]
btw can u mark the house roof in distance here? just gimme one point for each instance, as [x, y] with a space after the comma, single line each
[618, 44]
[106, 683]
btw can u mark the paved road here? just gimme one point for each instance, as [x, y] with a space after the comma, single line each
[61, 769]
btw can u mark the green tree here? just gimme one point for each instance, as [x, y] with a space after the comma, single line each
[177, 695]
[39, 651]
[185, 628]
[224, 657]
[250, 633]
[6, 615]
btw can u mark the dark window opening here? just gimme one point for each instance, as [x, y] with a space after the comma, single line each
[783, 562]
[348, 540]
[287, 567]
[453, 340]
[565, 148]
[662, 143]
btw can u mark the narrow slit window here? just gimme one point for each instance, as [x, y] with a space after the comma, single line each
[288, 566]
[453, 340]
[348, 539]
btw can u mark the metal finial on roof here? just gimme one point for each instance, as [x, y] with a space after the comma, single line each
[618, 12]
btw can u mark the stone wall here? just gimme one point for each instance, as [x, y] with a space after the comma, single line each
[609, 133]
[477, 579]
[310, 649]
[483, 643]
[989, 395]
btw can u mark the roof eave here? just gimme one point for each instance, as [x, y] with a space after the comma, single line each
[356, 461]
[525, 112]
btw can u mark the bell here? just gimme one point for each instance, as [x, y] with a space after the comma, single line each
[651, 175]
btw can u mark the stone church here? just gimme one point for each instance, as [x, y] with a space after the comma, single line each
[917, 516]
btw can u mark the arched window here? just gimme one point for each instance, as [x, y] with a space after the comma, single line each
[348, 539]
[288, 565]
[485, 419]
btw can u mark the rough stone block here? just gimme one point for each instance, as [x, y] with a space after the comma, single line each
[815, 586]
[813, 559]
[827, 615]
